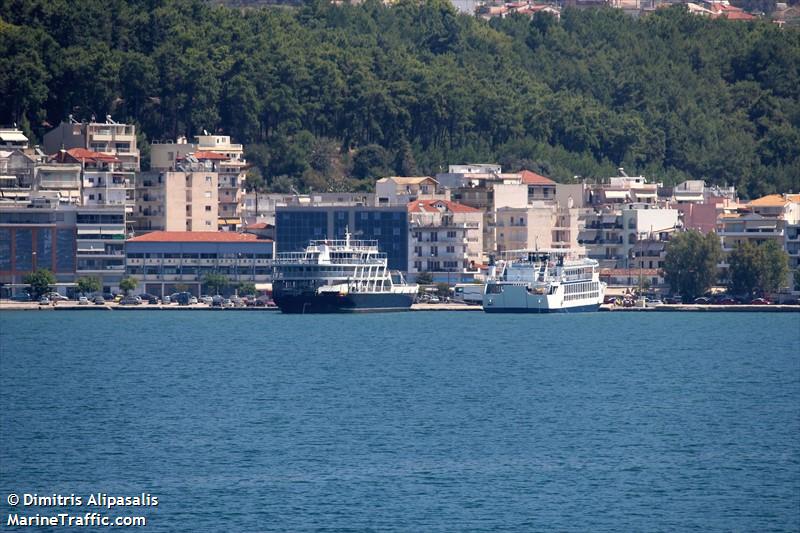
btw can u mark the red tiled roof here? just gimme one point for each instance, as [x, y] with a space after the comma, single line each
[259, 225]
[210, 155]
[532, 178]
[738, 15]
[88, 156]
[197, 236]
[429, 206]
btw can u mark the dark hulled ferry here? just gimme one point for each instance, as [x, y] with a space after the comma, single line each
[338, 276]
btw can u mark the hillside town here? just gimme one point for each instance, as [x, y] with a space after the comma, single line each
[80, 206]
[783, 14]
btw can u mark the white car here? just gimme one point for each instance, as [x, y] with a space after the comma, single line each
[83, 300]
[192, 301]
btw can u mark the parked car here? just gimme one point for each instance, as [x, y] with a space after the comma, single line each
[433, 300]
[44, 300]
[760, 301]
[227, 303]
[726, 300]
[610, 300]
[99, 301]
[166, 300]
[217, 300]
[131, 300]
[54, 296]
[702, 300]
[208, 300]
[675, 299]
[83, 300]
[21, 298]
[118, 298]
[192, 301]
[153, 300]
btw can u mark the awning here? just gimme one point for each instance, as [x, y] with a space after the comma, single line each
[264, 287]
[227, 221]
[13, 136]
[620, 195]
[689, 197]
[645, 195]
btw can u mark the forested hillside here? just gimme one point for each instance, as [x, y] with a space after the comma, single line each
[331, 97]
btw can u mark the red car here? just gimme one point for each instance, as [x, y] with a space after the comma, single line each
[760, 301]
[727, 300]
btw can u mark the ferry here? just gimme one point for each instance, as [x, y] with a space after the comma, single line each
[544, 282]
[339, 276]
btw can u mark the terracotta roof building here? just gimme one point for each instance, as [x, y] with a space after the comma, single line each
[164, 262]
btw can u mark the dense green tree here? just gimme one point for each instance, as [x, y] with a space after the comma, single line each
[128, 284]
[40, 281]
[89, 284]
[690, 266]
[758, 269]
[215, 283]
[246, 288]
[371, 161]
[323, 94]
[424, 278]
[775, 267]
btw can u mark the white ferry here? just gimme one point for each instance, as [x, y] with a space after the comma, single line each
[339, 276]
[544, 282]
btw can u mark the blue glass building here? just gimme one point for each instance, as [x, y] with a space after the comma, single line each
[296, 225]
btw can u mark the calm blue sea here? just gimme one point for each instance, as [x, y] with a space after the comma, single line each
[414, 422]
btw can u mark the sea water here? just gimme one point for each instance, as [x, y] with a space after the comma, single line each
[422, 421]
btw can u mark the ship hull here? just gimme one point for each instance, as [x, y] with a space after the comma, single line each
[542, 310]
[517, 299]
[306, 303]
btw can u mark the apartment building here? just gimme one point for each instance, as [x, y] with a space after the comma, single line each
[397, 190]
[72, 241]
[179, 200]
[61, 180]
[17, 169]
[104, 179]
[772, 217]
[221, 156]
[109, 138]
[445, 239]
[487, 189]
[100, 244]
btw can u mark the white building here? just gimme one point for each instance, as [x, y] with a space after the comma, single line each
[444, 240]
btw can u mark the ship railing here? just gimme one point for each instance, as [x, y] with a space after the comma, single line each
[343, 243]
[302, 260]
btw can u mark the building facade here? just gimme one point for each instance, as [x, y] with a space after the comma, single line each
[109, 138]
[165, 262]
[296, 225]
[40, 234]
[445, 240]
[180, 200]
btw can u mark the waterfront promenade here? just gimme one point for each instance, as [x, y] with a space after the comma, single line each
[74, 306]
